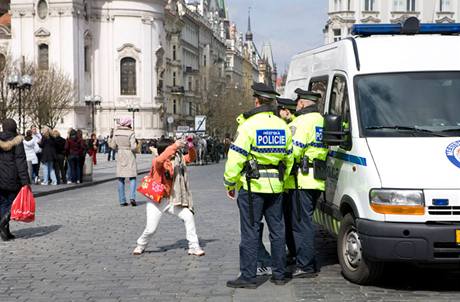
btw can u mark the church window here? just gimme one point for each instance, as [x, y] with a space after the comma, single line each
[42, 9]
[128, 76]
[2, 62]
[174, 106]
[204, 61]
[87, 59]
[43, 57]
[174, 52]
[174, 79]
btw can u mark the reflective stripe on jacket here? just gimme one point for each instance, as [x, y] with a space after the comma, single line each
[307, 140]
[267, 139]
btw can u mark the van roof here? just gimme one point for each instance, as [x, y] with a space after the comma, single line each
[380, 54]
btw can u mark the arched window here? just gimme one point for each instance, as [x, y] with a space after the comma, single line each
[42, 9]
[174, 52]
[2, 62]
[128, 76]
[43, 57]
[174, 106]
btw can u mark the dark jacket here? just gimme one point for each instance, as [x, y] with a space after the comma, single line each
[48, 146]
[74, 147]
[13, 163]
[60, 145]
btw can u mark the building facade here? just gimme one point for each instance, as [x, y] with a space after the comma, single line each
[109, 49]
[344, 13]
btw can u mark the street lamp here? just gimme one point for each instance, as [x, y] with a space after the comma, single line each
[20, 83]
[92, 101]
[133, 109]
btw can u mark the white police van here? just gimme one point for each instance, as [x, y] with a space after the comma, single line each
[391, 99]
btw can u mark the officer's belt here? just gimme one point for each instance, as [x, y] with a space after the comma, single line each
[268, 167]
[296, 167]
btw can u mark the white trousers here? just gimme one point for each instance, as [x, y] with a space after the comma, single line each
[154, 213]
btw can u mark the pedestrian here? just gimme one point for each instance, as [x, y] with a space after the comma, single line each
[93, 145]
[59, 164]
[73, 147]
[48, 157]
[31, 149]
[110, 151]
[38, 138]
[170, 169]
[124, 142]
[305, 185]
[13, 174]
[82, 155]
[263, 151]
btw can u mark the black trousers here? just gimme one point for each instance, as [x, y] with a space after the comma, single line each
[59, 168]
[304, 230]
[287, 209]
[269, 206]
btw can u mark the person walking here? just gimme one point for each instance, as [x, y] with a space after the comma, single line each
[93, 146]
[31, 149]
[82, 155]
[262, 152]
[37, 136]
[73, 149]
[124, 142]
[170, 169]
[306, 183]
[48, 147]
[59, 163]
[13, 175]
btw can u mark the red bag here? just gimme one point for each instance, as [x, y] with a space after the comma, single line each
[23, 208]
[150, 188]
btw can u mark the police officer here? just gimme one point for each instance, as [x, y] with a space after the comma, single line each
[307, 180]
[286, 109]
[258, 162]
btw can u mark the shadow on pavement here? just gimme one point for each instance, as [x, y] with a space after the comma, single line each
[180, 244]
[36, 232]
[414, 278]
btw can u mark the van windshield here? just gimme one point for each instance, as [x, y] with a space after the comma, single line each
[409, 104]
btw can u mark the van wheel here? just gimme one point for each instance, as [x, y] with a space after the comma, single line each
[355, 267]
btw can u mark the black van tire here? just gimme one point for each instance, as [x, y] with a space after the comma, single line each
[355, 267]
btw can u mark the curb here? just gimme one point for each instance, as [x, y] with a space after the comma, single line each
[82, 185]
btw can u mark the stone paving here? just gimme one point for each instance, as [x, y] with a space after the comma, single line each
[79, 249]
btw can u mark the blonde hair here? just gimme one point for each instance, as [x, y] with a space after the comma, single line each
[55, 133]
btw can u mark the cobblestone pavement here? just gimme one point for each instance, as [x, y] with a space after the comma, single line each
[79, 249]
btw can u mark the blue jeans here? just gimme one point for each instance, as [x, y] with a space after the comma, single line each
[6, 200]
[121, 189]
[74, 165]
[271, 207]
[304, 230]
[48, 171]
[263, 257]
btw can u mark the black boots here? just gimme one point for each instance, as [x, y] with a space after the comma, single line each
[5, 233]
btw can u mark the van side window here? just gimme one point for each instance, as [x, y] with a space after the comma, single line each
[319, 85]
[339, 105]
[339, 98]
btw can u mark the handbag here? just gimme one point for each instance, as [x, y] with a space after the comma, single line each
[23, 207]
[150, 188]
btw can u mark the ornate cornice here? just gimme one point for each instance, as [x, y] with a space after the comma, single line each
[371, 19]
[128, 46]
[42, 33]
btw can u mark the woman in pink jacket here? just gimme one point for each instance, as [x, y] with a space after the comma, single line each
[169, 168]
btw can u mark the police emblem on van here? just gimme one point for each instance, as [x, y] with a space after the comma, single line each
[271, 137]
[453, 153]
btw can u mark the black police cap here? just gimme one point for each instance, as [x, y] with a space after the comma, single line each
[286, 103]
[262, 90]
[307, 95]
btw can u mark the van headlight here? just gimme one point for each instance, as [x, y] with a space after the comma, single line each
[399, 202]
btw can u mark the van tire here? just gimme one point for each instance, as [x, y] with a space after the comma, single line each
[355, 267]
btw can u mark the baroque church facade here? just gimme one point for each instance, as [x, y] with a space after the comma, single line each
[111, 50]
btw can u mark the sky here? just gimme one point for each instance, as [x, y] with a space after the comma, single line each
[291, 26]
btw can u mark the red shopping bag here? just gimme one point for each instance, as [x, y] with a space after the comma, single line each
[23, 208]
[151, 189]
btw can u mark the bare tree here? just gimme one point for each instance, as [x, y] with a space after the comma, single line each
[8, 103]
[50, 98]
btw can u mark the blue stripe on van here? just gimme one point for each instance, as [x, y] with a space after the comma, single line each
[349, 158]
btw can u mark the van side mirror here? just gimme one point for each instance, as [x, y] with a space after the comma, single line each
[334, 134]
